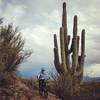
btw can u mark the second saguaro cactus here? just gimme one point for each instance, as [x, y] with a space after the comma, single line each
[74, 67]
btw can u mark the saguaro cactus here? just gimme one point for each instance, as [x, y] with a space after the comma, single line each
[74, 67]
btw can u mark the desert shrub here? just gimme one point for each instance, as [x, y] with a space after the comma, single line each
[62, 85]
[60, 88]
[12, 53]
[31, 83]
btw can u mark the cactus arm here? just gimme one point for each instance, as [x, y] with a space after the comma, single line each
[78, 38]
[83, 44]
[82, 51]
[75, 54]
[81, 58]
[62, 46]
[56, 56]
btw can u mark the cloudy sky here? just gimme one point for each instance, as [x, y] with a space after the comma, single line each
[38, 20]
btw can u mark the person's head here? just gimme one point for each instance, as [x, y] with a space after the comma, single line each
[42, 69]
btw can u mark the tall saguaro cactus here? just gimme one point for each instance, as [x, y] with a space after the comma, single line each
[74, 67]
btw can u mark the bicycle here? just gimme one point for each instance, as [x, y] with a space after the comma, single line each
[43, 91]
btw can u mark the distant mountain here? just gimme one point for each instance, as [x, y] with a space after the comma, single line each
[95, 79]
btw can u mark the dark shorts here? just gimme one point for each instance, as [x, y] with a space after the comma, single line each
[42, 85]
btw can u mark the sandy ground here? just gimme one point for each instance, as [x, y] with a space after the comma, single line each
[50, 97]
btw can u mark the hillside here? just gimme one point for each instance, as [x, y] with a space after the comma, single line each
[20, 91]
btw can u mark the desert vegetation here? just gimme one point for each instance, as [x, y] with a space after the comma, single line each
[12, 54]
[70, 71]
[69, 81]
[69, 59]
[31, 83]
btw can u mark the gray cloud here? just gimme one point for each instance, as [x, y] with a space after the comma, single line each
[40, 19]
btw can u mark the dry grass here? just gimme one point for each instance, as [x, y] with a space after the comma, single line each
[87, 91]
[31, 83]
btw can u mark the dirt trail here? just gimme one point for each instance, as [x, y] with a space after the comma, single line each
[50, 97]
